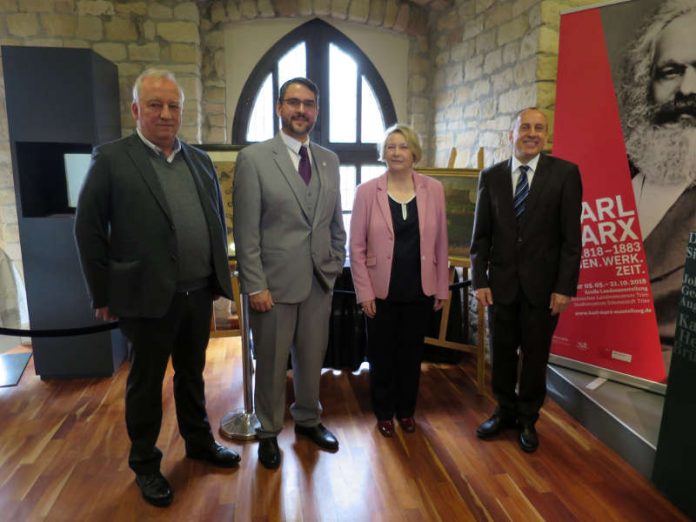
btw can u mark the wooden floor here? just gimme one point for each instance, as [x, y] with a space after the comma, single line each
[63, 449]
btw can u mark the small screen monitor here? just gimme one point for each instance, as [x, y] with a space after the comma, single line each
[76, 166]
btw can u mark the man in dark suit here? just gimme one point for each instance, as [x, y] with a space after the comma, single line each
[290, 245]
[525, 257]
[150, 230]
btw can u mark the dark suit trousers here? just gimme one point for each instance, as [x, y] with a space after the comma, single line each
[530, 328]
[395, 350]
[182, 334]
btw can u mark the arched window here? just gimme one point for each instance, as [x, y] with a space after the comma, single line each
[354, 107]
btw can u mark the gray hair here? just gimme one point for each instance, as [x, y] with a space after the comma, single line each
[154, 73]
[634, 91]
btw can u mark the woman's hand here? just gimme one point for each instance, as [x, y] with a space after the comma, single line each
[438, 304]
[369, 308]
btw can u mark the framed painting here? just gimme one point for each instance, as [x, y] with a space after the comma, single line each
[460, 201]
[224, 158]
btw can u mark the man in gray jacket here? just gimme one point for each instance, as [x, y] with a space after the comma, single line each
[290, 244]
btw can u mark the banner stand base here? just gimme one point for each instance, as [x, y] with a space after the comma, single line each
[598, 371]
[623, 417]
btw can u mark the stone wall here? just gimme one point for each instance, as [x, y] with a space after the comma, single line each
[132, 34]
[186, 37]
[491, 59]
[472, 63]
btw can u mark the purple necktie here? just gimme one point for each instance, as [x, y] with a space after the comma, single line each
[305, 169]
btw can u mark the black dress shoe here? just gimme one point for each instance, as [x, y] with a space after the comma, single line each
[216, 454]
[155, 488]
[494, 425]
[529, 440]
[269, 453]
[319, 435]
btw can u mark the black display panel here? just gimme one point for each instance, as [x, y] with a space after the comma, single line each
[50, 176]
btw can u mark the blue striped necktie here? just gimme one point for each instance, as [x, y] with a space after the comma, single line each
[521, 192]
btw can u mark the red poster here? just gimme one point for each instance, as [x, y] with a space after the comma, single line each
[611, 323]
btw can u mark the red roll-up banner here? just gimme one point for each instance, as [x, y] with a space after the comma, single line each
[611, 324]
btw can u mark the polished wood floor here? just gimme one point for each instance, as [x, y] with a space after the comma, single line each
[63, 448]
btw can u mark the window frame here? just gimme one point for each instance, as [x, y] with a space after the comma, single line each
[317, 36]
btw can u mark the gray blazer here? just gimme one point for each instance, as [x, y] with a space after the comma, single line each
[279, 245]
[125, 233]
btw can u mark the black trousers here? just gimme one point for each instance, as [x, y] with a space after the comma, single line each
[529, 328]
[395, 349]
[183, 334]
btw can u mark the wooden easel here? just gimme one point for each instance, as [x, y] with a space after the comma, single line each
[229, 332]
[478, 349]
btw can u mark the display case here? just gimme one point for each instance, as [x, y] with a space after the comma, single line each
[60, 103]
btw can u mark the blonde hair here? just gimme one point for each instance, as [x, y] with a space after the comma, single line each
[409, 135]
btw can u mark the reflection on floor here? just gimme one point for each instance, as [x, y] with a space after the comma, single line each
[625, 418]
[64, 448]
[7, 343]
[12, 366]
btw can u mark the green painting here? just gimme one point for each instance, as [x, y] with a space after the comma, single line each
[460, 200]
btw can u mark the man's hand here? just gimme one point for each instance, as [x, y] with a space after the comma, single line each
[559, 302]
[261, 302]
[105, 314]
[369, 308]
[484, 296]
[438, 304]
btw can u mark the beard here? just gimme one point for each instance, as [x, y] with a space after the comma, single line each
[297, 124]
[665, 155]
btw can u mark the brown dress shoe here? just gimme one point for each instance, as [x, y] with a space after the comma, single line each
[408, 424]
[386, 428]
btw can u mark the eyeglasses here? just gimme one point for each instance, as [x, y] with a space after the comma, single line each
[295, 103]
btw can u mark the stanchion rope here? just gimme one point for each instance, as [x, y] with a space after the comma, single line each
[55, 332]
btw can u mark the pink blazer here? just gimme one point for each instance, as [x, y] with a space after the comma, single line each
[372, 238]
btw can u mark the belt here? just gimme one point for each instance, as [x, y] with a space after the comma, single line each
[186, 287]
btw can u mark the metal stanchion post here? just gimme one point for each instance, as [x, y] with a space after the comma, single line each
[242, 423]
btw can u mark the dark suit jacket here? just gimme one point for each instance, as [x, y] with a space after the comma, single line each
[541, 253]
[125, 234]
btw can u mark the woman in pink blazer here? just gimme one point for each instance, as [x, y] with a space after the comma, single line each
[398, 258]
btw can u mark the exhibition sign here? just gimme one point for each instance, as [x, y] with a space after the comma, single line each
[610, 327]
[675, 458]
